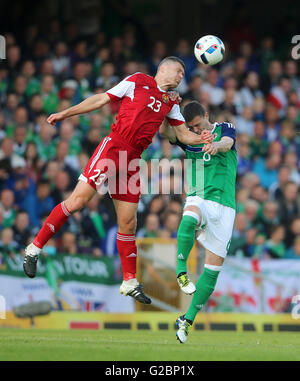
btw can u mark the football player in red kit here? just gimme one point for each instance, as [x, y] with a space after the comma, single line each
[145, 103]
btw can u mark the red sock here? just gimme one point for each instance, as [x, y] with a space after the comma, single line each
[53, 223]
[128, 253]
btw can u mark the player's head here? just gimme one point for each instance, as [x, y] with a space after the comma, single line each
[196, 117]
[171, 71]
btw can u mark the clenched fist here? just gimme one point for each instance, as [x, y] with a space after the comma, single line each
[54, 118]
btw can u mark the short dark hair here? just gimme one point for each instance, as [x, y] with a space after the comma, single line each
[193, 109]
[172, 59]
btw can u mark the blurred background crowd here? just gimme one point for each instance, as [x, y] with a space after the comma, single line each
[53, 65]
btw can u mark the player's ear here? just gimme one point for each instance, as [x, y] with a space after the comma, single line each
[206, 115]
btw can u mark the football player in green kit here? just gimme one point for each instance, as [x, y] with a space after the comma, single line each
[209, 207]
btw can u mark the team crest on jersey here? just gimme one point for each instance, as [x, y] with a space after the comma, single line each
[165, 98]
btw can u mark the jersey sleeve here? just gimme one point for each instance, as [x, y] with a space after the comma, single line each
[175, 117]
[122, 89]
[228, 129]
[179, 144]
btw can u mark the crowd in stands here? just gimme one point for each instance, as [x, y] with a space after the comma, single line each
[40, 163]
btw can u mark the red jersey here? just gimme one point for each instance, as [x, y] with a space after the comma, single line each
[143, 108]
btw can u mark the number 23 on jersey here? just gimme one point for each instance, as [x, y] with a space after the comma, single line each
[155, 105]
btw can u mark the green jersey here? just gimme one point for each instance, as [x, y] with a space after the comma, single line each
[212, 177]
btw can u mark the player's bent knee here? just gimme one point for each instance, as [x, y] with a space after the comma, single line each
[76, 203]
[127, 225]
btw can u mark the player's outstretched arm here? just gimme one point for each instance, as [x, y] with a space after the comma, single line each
[224, 145]
[90, 104]
[167, 131]
[187, 137]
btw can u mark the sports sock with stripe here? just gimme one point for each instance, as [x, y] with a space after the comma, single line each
[53, 223]
[128, 253]
[185, 240]
[204, 288]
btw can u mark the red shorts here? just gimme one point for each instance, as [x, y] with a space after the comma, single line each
[115, 164]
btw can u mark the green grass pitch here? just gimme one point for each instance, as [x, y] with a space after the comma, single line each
[117, 345]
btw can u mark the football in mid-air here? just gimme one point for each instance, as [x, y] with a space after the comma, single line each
[209, 50]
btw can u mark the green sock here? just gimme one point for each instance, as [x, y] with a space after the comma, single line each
[185, 241]
[204, 288]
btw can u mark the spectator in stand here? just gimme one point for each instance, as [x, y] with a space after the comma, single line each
[268, 217]
[244, 163]
[292, 162]
[20, 140]
[10, 107]
[272, 77]
[288, 205]
[266, 54]
[274, 247]
[8, 246]
[151, 228]
[93, 229]
[245, 121]
[44, 142]
[242, 196]
[107, 78]
[266, 169]
[35, 107]
[33, 84]
[21, 229]
[258, 144]
[194, 88]
[210, 86]
[251, 212]
[13, 62]
[259, 194]
[33, 165]
[67, 92]
[249, 181]
[279, 95]
[80, 72]
[7, 208]
[251, 90]
[62, 186]
[20, 120]
[293, 230]
[117, 56]
[288, 138]
[272, 122]
[60, 59]
[46, 68]
[229, 104]
[49, 94]
[184, 52]
[68, 244]
[170, 225]
[68, 162]
[291, 72]
[91, 142]
[294, 251]
[276, 189]
[67, 133]
[159, 52]
[20, 84]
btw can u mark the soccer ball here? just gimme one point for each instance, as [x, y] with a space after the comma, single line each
[209, 50]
